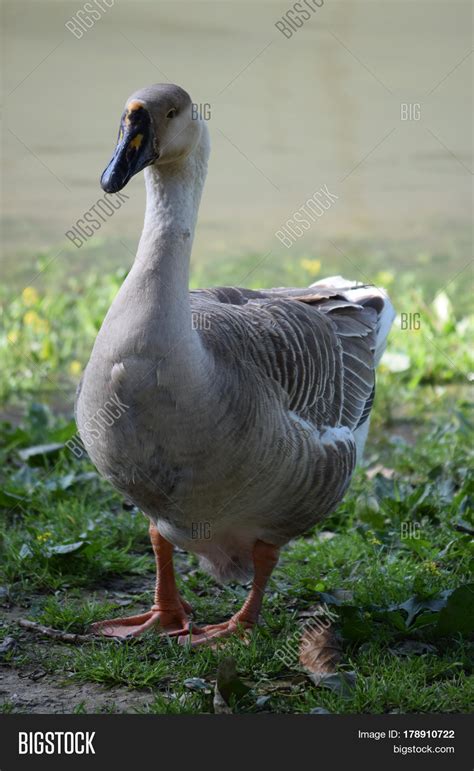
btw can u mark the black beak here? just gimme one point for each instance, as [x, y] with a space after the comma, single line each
[135, 149]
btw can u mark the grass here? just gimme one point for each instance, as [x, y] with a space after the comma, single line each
[393, 565]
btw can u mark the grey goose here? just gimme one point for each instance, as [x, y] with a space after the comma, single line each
[245, 411]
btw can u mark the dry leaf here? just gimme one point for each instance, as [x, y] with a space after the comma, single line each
[220, 706]
[342, 683]
[228, 684]
[320, 653]
[320, 650]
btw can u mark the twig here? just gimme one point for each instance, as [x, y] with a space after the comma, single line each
[56, 634]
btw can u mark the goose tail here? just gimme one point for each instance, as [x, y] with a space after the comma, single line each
[366, 294]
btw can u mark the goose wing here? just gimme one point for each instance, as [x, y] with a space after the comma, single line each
[315, 344]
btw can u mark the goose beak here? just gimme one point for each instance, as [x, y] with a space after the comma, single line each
[135, 148]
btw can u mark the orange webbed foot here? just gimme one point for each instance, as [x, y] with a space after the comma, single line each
[211, 633]
[170, 621]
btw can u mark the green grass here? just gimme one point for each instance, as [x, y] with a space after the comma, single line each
[394, 563]
[47, 332]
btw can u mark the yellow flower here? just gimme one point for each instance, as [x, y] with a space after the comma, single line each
[42, 537]
[12, 337]
[372, 539]
[29, 295]
[312, 266]
[31, 319]
[431, 567]
[75, 367]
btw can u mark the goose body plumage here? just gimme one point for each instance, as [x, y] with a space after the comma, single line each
[266, 446]
[243, 411]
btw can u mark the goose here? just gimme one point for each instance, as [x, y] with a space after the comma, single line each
[243, 412]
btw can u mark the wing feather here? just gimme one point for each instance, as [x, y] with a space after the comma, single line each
[314, 343]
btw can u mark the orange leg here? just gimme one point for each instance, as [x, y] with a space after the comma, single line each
[265, 557]
[169, 610]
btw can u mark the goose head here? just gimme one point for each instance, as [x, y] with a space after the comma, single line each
[156, 127]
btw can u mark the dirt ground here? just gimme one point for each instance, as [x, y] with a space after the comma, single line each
[36, 692]
[28, 687]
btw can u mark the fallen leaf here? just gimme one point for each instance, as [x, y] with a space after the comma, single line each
[320, 649]
[414, 605]
[458, 613]
[197, 684]
[220, 706]
[228, 683]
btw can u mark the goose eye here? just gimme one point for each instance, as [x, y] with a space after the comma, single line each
[171, 113]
